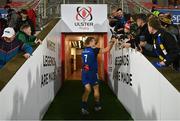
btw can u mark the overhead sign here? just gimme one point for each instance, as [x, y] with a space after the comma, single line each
[175, 14]
[84, 18]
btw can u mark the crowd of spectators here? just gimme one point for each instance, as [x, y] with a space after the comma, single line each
[17, 33]
[153, 35]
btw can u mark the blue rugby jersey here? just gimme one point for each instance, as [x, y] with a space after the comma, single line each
[89, 59]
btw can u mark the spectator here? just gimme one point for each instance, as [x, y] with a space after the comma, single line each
[130, 36]
[134, 26]
[12, 18]
[113, 13]
[9, 47]
[119, 27]
[166, 22]
[143, 35]
[164, 44]
[32, 17]
[24, 19]
[24, 35]
[153, 9]
[127, 17]
[7, 7]
[112, 19]
[3, 24]
[157, 13]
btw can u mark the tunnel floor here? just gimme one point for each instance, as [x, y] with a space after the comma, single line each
[66, 105]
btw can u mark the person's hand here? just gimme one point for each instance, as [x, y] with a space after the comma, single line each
[121, 29]
[162, 63]
[114, 40]
[38, 41]
[159, 64]
[143, 43]
[126, 45]
[139, 49]
[26, 55]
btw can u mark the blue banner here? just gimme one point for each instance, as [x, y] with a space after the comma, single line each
[175, 14]
[3, 13]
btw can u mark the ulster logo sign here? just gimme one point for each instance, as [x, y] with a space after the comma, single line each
[84, 18]
[84, 13]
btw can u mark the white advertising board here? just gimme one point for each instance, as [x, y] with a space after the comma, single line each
[29, 93]
[141, 88]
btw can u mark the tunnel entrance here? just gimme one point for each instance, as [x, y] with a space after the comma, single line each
[72, 47]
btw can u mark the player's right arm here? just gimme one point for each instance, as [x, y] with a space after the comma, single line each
[109, 47]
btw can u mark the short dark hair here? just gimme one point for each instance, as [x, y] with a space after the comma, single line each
[24, 11]
[154, 23]
[119, 9]
[24, 26]
[142, 17]
[88, 40]
[127, 16]
[7, 7]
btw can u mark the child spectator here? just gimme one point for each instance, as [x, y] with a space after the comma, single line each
[10, 47]
[130, 36]
[24, 35]
[24, 19]
[127, 36]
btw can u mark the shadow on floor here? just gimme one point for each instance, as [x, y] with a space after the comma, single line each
[66, 105]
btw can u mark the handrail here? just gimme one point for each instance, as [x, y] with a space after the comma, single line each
[41, 19]
[8, 71]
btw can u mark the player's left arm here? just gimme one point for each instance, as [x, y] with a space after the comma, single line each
[109, 47]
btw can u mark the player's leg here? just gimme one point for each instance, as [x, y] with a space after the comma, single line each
[87, 91]
[97, 98]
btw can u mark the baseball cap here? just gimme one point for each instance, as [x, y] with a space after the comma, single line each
[165, 20]
[8, 32]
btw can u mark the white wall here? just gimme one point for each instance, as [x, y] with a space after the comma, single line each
[24, 97]
[151, 96]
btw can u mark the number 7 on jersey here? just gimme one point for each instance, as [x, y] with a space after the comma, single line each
[86, 56]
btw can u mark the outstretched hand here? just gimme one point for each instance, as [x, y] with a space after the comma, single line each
[113, 40]
[38, 41]
[26, 55]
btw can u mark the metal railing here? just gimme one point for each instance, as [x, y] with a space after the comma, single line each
[45, 14]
